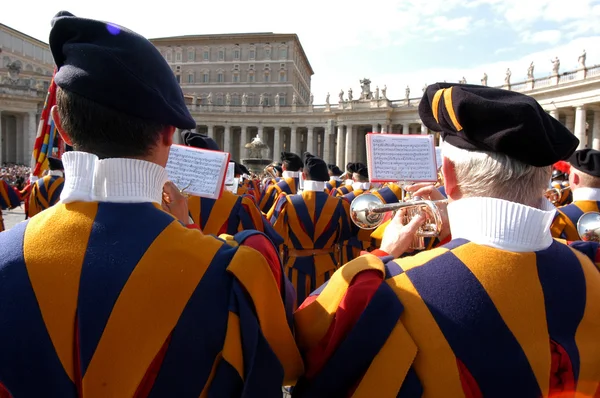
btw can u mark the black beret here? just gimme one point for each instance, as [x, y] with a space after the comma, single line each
[334, 170]
[55, 164]
[197, 140]
[363, 171]
[587, 161]
[481, 118]
[116, 68]
[244, 169]
[354, 167]
[294, 161]
[317, 168]
[278, 168]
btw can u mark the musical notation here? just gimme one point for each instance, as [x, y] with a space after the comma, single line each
[202, 171]
[393, 157]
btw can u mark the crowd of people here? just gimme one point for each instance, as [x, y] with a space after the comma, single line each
[15, 174]
[123, 286]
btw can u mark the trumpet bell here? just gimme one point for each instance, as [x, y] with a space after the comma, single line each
[588, 227]
[362, 214]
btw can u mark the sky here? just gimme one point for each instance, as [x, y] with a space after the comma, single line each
[394, 43]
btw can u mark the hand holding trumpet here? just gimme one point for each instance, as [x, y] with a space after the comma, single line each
[174, 201]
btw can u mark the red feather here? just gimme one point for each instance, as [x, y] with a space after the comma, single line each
[563, 166]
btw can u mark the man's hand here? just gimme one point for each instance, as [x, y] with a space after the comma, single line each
[175, 202]
[397, 238]
[427, 191]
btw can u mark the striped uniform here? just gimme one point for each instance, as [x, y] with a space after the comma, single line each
[312, 225]
[125, 305]
[462, 320]
[288, 185]
[332, 186]
[9, 199]
[229, 214]
[564, 225]
[45, 193]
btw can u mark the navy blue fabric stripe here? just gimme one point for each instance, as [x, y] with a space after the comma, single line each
[303, 271]
[226, 383]
[333, 225]
[572, 212]
[563, 283]
[29, 366]
[281, 202]
[263, 373]
[388, 195]
[206, 205]
[305, 218]
[42, 188]
[412, 387]
[354, 355]
[236, 215]
[454, 243]
[392, 269]
[473, 327]
[320, 200]
[442, 190]
[14, 199]
[56, 195]
[121, 234]
[590, 249]
[199, 334]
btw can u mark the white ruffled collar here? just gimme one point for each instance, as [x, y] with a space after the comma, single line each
[586, 194]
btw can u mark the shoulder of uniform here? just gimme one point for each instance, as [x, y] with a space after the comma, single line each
[396, 267]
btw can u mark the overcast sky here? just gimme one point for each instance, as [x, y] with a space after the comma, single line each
[394, 43]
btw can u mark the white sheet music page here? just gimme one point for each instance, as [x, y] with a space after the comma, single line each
[199, 171]
[397, 157]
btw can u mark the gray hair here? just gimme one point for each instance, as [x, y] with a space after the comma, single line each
[495, 175]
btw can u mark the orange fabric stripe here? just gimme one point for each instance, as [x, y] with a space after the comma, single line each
[142, 319]
[450, 109]
[220, 212]
[56, 288]
[520, 302]
[435, 104]
[325, 218]
[232, 348]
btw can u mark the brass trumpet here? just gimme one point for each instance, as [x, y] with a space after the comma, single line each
[555, 194]
[588, 227]
[367, 212]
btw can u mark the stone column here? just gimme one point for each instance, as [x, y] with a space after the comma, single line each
[580, 126]
[276, 143]
[227, 138]
[339, 159]
[384, 129]
[243, 141]
[210, 131]
[405, 128]
[350, 155]
[327, 145]
[596, 131]
[260, 132]
[20, 138]
[570, 123]
[423, 128]
[2, 141]
[554, 113]
[310, 140]
[294, 140]
[375, 128]
[30, 137]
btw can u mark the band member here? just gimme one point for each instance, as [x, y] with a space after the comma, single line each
[9, 199]
[559, 192]
[335, 180]
[230, 213]
[107, 295]
[584, 180]
[311, 224]
[292, 167]
[46, 191]
[351, 170]
[503, 310]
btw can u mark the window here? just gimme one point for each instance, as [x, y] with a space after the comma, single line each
[178, 77]
[190, 78]
[267, 77]
[283, 53]
[178, 57]
[236, 78]
[169, 57]
[268, 53]
[281, 99]
[250, 77]
[220, 77]
[282, 76]
[219, 99]
[236, 54]
[235, 100]
[206, 55]
[205, 77]
[266, 99]
[250, 99]
[191, 55]
[252, 54]
[221, 55]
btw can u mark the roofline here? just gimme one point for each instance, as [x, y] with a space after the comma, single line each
[26, 35]
[228, 36]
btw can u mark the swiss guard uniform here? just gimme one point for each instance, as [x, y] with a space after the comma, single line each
[335, 180]
[9, 200]
[312, 225]
[347, 185]
[126, 304]
[230, 213]
[45, 192]
[503, 310]
[289, 184]
[584, 199]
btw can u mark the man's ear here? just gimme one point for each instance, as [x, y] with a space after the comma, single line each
[58, 123]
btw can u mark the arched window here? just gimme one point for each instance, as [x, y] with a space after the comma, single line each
[191, 54]
[235, 99]
[191, 77]
[220, 99]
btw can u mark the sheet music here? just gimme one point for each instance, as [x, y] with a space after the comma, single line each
[394, 157]
[200, 172]
[438, 157]
[230, 173]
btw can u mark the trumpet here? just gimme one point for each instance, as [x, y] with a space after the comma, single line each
[588, 227]
[367, 212]
[555, 194]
